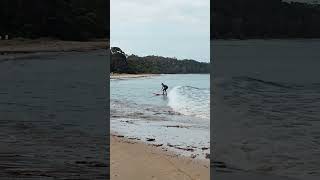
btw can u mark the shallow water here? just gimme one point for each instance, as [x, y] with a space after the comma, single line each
[178, 121]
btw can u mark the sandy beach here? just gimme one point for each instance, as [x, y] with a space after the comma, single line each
[138, 161]
[129, 76]
[152, 142]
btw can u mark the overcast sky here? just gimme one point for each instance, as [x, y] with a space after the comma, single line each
[170, 28]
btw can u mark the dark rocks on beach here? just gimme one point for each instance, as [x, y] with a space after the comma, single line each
[187, 149]
[129, 122]
[164, 149]
[176, 126]
[181, 148]
[134, 138]
[151, 139]
[193, 156]
[119, 136]
[170, 145]
[157, 145]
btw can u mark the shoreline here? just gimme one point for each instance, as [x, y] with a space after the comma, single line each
[119, 76]
[151, 162]
[145, 155]
[15, 49]
[46, 45]
[130, 76]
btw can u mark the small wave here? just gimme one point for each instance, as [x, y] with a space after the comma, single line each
[282, 85]
[190, 100]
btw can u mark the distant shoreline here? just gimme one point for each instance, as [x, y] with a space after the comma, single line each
[141, 75]
[43, 45]
[15, 49]
[130, 76]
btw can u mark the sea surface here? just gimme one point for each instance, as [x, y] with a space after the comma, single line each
[179, 121]
[266, 103]
[53, 116]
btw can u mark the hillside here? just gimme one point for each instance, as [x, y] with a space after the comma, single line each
[122, 63]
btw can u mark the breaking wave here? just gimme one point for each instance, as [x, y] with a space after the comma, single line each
[190, 100]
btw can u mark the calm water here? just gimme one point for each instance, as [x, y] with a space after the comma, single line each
[266, 106]
[53, 116]
[180, 119]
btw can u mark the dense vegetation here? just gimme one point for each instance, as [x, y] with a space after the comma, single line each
[118, 60]
[164, 65]
[63, 19]
[121, 63]
[87, 19]
[264, 19]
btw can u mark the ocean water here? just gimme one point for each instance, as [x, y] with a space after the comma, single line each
[53, 116]
[180, 121]
[267, 106]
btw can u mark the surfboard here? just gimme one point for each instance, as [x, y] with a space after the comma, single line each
[157, 94]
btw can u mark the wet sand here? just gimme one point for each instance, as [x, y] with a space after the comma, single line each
[138, 161]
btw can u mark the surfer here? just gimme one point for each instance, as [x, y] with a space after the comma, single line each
[164, 88]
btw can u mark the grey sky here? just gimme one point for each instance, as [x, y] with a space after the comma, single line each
[170, 28]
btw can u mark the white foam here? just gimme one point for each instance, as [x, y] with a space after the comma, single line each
[190, 101]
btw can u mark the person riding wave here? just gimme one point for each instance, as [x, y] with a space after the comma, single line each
[164, 89]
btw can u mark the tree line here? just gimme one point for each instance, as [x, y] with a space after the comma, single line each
[242, 19]
[133, 64]
[63, 19]
[88, 19]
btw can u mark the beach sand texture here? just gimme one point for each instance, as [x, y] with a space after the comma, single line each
[139, 161]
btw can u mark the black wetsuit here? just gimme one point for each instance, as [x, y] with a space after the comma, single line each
[165, 87]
